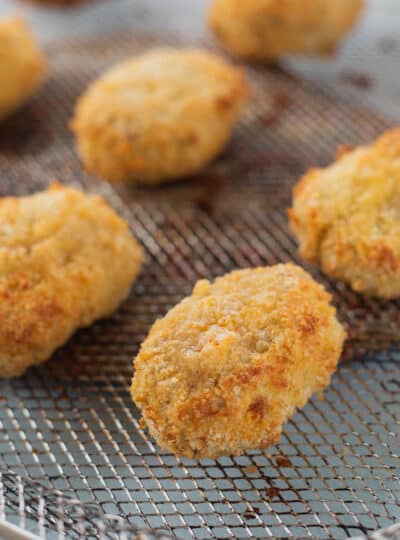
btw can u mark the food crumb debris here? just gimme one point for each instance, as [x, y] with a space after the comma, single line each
[251, 512]
[251, 469]
[361, 81]
[283, 461]
[212, 186]
[355, 305]
[272, 492]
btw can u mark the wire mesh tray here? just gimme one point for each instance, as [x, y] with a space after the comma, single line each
[71, 424]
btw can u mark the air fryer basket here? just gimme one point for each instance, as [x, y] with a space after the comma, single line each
[73, 457]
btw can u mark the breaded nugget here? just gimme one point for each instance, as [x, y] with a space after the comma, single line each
[66, 259]
[347, 217]
[268, 29]
[22, 65]
[226, 367]
[159, 116]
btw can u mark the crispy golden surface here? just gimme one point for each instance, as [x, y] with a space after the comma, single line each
[22, 65]
[226, 367]
[347, 217]
[159, 116]
[268, 29]
[66, 259]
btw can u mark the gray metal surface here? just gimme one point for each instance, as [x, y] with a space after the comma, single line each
[366, 66]
[30, 511]
[71, 423]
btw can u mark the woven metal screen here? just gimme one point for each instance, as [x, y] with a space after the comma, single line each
[71, 425]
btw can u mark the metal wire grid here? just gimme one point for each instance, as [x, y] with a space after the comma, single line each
[49, 513]
[71, 423]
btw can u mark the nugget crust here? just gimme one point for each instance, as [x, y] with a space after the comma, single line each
[347, 217]
[159, 116]
[22, 65]
[226, 367]
[268, 29]
[66, 259]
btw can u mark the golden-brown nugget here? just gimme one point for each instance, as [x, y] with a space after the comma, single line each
[347, 217]
[66, 259]
[22, 65]
[268, 29]
[159, 116]
[225, 368]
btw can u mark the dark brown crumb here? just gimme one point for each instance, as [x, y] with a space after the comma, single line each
[354, 304]
[362, 81]
[272, 492]
[283, 461]
[212, 185]
[251, 512]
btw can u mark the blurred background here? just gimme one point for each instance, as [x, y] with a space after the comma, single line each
[367, 66]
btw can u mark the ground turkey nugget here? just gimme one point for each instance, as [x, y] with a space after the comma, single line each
[225, 368]
[22, 65]
[347, 217]
[66, 259]
[268, 29]
[159, 116]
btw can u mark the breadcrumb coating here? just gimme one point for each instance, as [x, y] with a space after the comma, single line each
[226, 367]
[66, 259]
[159, 116]
[22, 65]
[347, 217]
[268, 29]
